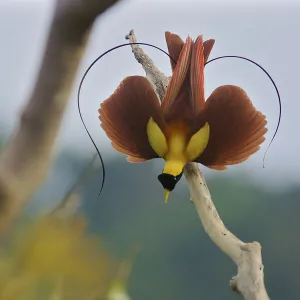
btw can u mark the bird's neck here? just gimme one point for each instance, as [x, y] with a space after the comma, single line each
[176, 157]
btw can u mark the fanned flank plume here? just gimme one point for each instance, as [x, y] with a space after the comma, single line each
[223, 130]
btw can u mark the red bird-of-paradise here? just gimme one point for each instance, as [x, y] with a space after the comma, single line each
[221, 131]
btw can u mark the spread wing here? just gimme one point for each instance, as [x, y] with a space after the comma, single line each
[236, 128]
[125, 114]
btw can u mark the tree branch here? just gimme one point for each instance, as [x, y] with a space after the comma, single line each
[158, 80]
[249, 282]
[27, 155]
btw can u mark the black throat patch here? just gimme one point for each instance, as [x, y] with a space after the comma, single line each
[169, 181]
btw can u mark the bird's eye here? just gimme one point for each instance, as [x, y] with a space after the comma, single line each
[169, 181]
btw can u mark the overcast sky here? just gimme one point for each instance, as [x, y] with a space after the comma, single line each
[265, 31]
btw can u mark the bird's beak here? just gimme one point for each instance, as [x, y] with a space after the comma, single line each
[167, 192]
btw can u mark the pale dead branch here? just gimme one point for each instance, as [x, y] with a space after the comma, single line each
[27, 155]
[155, 76]
[249, 282]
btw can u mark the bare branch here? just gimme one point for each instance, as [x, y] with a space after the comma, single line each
[249, 282]
[158, 80]
[27, 155]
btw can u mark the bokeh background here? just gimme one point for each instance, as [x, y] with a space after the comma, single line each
[177, 259]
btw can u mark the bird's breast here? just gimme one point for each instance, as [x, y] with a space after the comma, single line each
[178, 135]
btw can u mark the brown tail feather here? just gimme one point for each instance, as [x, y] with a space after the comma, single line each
[125, 114]
[197, 77]
[178, 102]
[178, 78]
[236, 128]
[175, 45]
[207, 47]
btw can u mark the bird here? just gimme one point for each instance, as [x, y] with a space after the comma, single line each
[224, 129]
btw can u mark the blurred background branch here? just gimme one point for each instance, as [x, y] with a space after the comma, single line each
[27, 155]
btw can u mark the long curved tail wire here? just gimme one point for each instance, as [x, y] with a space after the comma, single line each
[153, 46]
[79, 91]
[273, 82]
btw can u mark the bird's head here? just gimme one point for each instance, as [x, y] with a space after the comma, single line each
[168, 182]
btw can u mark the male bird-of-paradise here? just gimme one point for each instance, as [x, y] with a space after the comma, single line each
[221, 131]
